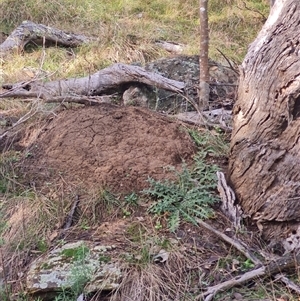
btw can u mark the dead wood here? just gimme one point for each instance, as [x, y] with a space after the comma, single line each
[234, 242]
[211, 119]
[287, 262]
[106, 81]
[170, 46]
[288, 283]
[40, 34]
[284, 263]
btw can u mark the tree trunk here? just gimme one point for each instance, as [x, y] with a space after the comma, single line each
[264, 165]
[203, 59]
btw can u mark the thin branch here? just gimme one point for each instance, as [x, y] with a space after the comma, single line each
[289, 283]
[253, 10]
[235, 243]
[228, 61]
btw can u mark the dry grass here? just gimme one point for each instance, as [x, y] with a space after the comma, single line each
[126, 31]
[157, 282]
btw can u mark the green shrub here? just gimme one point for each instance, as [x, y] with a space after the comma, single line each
[188, 197]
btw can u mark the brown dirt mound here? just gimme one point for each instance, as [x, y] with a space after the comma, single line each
[107, 146]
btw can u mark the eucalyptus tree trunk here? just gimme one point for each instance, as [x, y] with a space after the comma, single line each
[264, 165]
[203, 60]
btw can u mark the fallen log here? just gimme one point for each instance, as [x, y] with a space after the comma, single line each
[106, 81]
[40, 34]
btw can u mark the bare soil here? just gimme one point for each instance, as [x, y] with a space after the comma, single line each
[107, 146]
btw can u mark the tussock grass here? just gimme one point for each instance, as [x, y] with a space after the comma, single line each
[154, 282]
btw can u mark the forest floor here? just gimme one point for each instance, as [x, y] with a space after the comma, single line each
[130, 168]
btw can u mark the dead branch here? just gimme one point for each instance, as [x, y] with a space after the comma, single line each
[284, 263]
[229, 63]
[70, 216]
[290, 284]
[205, 119]
[84, 100]
[234, 242]
[106, 81]
[287, 262]
[37, 33]
[252, 10]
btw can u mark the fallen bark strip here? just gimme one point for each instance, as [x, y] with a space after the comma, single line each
[38, 33]
[286, 262]
[108, 80]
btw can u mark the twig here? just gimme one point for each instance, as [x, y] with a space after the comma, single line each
[70, 216]
[229, 63]
[223, 84]
[23, 119]
[4, 273]
[289, 283]
[90, 101]
[235, 243]
[253, 10]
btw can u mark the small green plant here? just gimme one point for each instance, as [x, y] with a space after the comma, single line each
[212, 144]
[132, 199]
[42, 245]
[247, 265]
[104, 258]
[77, 253]
[80, 274]
[84, 225]
[125, 213]
[158, 225]
[141, 257]
[189, 197]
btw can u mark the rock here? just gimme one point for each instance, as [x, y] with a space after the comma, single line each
[223, 82]
[62, 267]
[136, 96]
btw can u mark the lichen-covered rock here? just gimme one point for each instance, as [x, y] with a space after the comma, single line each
[186, 69]
[62, 267]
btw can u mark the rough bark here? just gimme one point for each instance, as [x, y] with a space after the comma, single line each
[39, 34]
[106, 81]
[264, 165]
[203, 59]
